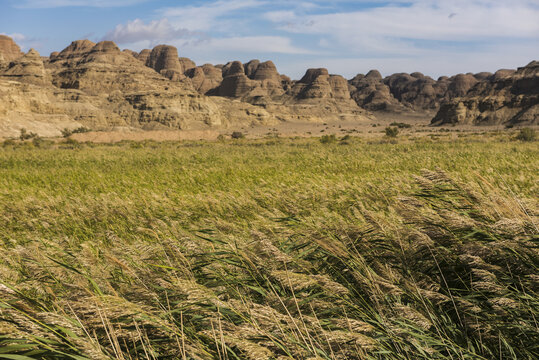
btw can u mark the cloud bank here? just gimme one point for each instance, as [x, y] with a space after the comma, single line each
[348, 36]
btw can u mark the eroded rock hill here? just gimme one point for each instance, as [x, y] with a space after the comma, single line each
[507, 97]
[318, 96]
[101, 87]
[9, 50]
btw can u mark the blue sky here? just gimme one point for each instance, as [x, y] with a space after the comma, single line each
[436, 37]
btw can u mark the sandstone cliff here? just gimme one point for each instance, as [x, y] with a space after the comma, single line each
[101, 87]
[28, 68]
[9, 50]
[318, 96]
[507, 97]
[408, 92]
[164, 59]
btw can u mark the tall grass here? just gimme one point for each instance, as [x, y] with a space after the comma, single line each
[277, 249]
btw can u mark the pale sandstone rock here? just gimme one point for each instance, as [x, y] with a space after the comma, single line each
[29, 68]
[9, 50]
[164, 59]
[507, 97]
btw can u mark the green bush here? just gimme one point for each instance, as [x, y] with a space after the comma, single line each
[8, 142]
[401, 125]
[25, 135]
[392, 131]
[527, 134]
[328, 139]
[71, 144]
[37, 142]
[67, 133]
[237, 135]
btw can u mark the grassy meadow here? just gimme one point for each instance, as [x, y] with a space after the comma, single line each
[270, 249]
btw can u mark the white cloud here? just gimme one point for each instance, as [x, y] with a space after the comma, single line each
[432, 36]
[68, 3]
[250, 45]
[25, 42]
[208, 16]
[154, 31]
[433, 64]
[393, 28]
[280, 16]
[15, 36]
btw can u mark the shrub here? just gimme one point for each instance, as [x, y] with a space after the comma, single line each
[25, 135]
[8, 142]
[527, 134]
[392, 131]
[67, 133]
[71, 144]
[328, 139]
[37, 141]
[237, 135]
[401, 125]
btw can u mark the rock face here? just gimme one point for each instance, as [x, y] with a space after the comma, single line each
[130, 52]
[318, 84]
[318, 96]
[507, 97]
[29, 69]
[187, 64]
[370, 92]
[144, 55]
[74, 51]
[101, 87]
[413, 92]
[235, 83]
[164, 59]
[9, 50]
[206, 78]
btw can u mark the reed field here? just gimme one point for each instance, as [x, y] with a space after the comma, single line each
[356, 248]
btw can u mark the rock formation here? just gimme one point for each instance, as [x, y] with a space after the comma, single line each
[99, 86]
[318, 96]
[144, 55]
[29, 69]
[409, 92]
[318, 84]
[164, 59]
[74, 51]
[102, 87]
[187, 64]
[9, 50]
[206, 78]
[370, 92]
[250, 67]
[130, 52]
[507, 97]
[235, 83]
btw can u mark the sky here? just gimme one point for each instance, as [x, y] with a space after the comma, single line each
[435, 37]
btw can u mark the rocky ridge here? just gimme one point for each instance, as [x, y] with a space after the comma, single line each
[507, 97]
[100, 86]
[9, 50]
[318, 96]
